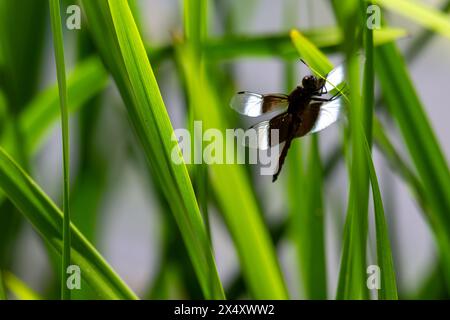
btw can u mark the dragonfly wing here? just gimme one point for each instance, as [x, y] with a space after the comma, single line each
[328, 114]
[335, 78]
[254, 104]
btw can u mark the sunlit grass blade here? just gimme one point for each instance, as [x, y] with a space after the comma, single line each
[388, 289]
[121, 47]
[318, 62]
[47, 219]
[58, 44]
[423, 40]
[404, 105]
[425, 15]
[19, 289]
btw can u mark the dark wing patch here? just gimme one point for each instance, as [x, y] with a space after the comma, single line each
[274, 102]
[281, 123]
[254, 104]
[309, 118]
[259, 135]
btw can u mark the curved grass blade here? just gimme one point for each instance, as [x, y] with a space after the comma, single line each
[305, 190]
[242, 213]
[405, 107]
[352, 274]
[388, 290]
[121, 47]
[58, 44]
[87, 79]
[47, 219]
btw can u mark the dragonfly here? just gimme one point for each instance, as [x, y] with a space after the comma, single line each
[311, 107]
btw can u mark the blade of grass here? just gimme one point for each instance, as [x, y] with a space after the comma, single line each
[352, 274]
[2, 287]
[305, 191]
[404, 105]
[388, 290]
[424, 38]
[116, 35]
[22, 35]
[87, 79]
[307, 216]
[368, 90]
[47, 219]
[327, 39]
[206, 107]
[247, 228]
[21, 50]
[400, 166]
[425, 15]
[19, 288]
[62, 86]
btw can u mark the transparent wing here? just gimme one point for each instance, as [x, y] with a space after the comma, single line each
[254, 104]
[335, 78]
[329, 113]
[257, 136]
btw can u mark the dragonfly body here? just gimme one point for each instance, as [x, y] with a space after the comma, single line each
[305, 111]
[301, 114]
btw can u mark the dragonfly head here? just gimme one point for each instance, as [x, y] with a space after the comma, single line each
[311, 83]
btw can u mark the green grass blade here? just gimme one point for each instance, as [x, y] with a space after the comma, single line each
[195, 21]
[424, 38]
[21, 50]
[352, 274]
[327, 39]
[388, 290]
[121, 47]
[20, 290]
[368, 90]
[316, 60]
[307, 216]
[242, 214]
[58, 44]
[311, 54]
[400, 166]
[86, 80]
[2, 287]
[405, 106]
[47, 219]
[425, 15]
[305, 192]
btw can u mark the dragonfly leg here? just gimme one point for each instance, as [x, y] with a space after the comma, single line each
[334, 97]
